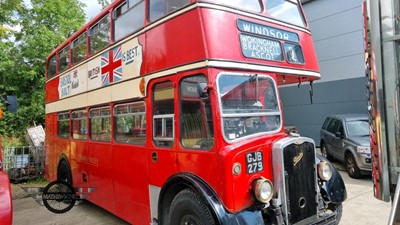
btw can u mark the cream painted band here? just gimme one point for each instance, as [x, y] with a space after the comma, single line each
[130, 89]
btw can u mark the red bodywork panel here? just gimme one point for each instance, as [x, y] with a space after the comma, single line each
[5, 200]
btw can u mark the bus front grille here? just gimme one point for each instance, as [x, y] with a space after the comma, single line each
[300, 181]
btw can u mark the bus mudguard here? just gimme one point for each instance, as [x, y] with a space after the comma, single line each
[186, 180]
[334, 189]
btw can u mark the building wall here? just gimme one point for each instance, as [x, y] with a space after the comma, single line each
[337, 29]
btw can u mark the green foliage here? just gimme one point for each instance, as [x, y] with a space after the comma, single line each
[28, 33]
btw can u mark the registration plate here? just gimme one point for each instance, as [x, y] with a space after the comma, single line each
[254, 162]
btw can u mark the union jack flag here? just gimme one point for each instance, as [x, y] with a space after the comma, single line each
[111, 66]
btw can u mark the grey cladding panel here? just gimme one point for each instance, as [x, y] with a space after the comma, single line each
[335, 97]
[337, 24]
[322, 8]
[342, 68]
[340, 46]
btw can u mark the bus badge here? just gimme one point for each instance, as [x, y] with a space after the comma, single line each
[297, 158]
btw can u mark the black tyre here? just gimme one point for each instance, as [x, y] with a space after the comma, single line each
[188, 208]
[324, 152]
[339, 210]
[352, 167]
[64, 172]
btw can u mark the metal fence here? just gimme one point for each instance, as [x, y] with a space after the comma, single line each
[23, 163]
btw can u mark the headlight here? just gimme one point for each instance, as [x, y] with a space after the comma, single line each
[263, 190]
[325, 170]
[362, 149]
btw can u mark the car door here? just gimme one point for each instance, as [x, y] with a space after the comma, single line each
[331, 140]
[337, 140]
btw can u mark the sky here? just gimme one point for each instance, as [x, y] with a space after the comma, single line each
[92, 9]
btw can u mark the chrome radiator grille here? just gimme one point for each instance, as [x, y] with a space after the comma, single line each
[295, 179]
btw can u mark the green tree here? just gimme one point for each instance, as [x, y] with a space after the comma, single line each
[36, 29]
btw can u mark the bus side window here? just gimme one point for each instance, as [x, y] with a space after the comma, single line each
[196, 121]
[100, 124]
[79, 125]
[51, 67]
[130, 123]
[163, 114]
[63, 59]
[99, 35]
[63, 125]
[128, 18]
[160, 8]
[79, 49]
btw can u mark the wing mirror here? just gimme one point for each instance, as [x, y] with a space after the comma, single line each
[202, 90]
[339, 135]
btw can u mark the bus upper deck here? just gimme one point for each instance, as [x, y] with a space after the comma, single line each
[137, 38]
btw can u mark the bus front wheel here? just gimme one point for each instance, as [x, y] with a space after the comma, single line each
[188, 208]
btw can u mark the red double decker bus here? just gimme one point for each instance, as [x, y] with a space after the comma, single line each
[171, 110]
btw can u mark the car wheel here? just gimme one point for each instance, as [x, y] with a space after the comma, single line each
[324, 152]
[351, 166]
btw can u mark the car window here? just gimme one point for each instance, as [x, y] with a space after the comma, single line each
[358, 128]
[333, 125]
[325, 123]
[340, 127]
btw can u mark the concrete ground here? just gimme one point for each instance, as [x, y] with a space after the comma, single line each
[360, 208]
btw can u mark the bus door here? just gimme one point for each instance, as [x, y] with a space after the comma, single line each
[196, 132]
[161, 156]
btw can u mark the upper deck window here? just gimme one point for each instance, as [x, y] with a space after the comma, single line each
[250, 5]
[128, 18]
[63, 59]
[160, 8]
[79, 49]
[51, 67]
[100, 35]
[285, 10]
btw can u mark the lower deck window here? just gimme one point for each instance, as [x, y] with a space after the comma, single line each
[130, 123]
[79, 125]
[100, 124]
[63, 125]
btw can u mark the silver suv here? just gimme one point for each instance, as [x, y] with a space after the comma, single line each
[346, 138]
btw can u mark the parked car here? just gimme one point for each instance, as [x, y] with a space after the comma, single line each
[5, 197]
[346, 138]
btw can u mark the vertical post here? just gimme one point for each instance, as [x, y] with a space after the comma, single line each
[394, 217]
